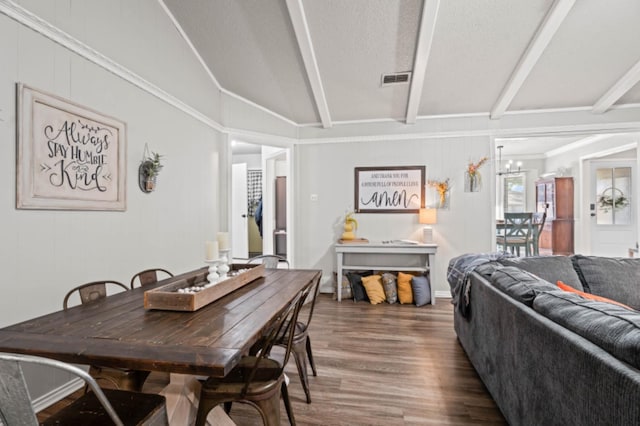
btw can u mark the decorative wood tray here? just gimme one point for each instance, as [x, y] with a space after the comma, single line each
[167, 297]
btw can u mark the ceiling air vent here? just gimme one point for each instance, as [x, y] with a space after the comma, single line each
[396, 78]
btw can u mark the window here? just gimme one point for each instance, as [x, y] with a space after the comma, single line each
[515, 194]
[613, 187]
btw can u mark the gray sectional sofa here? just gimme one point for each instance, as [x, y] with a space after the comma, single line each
[548, 356]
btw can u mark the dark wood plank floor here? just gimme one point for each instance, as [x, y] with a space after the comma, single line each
[381, 365]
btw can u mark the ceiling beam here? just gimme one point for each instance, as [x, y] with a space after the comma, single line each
[423, 50]
[300, 27]
[552, 21]
[622, 86]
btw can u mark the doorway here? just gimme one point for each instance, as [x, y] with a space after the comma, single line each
[612, 210]
[573, 155]
[259, 207]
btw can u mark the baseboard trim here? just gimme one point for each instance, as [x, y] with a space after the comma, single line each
[441, 294]
[57, 394]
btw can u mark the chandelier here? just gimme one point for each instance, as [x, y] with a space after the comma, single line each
[509, 166]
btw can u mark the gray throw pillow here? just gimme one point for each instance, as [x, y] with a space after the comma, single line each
[614, 278]
[390, 287]
[421, 290]
[549, 268]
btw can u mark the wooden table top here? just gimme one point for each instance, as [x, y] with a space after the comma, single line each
[118, 332]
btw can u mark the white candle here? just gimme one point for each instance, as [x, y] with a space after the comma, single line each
[223, 240]
[211, 250]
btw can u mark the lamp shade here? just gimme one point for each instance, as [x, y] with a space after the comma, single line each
[428, 216]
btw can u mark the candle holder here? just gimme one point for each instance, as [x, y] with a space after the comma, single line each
[213, 276]
[223, 268]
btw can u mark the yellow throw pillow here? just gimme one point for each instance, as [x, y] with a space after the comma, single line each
[405, 294]
[373, 286]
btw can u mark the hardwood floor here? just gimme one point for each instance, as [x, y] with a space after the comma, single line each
[381, 365]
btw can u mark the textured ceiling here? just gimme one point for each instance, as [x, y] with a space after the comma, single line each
[256, 50]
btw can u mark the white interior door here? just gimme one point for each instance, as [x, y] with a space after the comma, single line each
[239, 212]
[612, 207]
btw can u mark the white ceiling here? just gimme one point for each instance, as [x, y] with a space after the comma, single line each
[319, 62]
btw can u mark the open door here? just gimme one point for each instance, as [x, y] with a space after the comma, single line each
[239, 213]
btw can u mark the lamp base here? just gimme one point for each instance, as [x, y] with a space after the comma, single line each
[427, 235]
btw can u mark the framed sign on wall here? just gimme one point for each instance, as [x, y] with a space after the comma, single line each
[389, 189]
[68, 156]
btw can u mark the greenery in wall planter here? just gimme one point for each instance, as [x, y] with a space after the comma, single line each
[149, 169]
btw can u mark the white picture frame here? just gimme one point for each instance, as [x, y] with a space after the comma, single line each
[69, 157]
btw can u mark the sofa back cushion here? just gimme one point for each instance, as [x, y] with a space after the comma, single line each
[549, 268]
[521, 285]
[614, 278]
[613, 328]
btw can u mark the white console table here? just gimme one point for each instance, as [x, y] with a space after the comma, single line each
[395, 257]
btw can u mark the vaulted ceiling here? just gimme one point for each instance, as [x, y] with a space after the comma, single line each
[320, 62]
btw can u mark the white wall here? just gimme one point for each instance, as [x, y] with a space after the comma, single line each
[45, 253]
[327, 170]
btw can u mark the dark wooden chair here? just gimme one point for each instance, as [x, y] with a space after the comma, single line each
[258, 379]
[98, 407]
[302, 343]
[518, 229]
[124, 379]
[149, 276]
[270, 261]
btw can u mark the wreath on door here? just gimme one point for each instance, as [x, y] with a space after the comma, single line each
[612, 199]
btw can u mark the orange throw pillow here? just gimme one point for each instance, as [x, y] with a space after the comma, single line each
[405, 293]
[373, 286]
[590, 296]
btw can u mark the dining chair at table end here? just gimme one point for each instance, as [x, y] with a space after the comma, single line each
[96, 408]
[517, 233]
[270, 261]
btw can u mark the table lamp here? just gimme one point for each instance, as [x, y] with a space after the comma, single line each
[427, 217]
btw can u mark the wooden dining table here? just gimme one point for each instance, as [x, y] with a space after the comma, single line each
[118, 331]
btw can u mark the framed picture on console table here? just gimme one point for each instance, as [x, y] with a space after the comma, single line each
[389, 189]
[69, 157]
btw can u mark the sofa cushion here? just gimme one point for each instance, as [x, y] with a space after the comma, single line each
[613, 328]
[549, 268]
[521, 285]
[614, 278]
[487, 269]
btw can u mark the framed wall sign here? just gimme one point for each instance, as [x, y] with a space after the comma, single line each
[389, 189]
[68, 156]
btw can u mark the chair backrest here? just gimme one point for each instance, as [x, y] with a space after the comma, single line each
[149, 276]
[518, 225]
[315, 289]
[92, 291]
[270, 261]
[284, 325]
[15, 401]
[538, 221]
